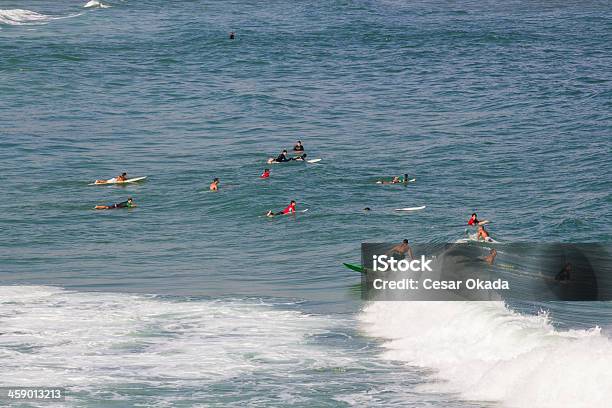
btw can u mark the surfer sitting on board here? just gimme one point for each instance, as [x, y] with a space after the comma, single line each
[282, 158]
[482, 233]
[298, 147]
[473, 221]
[120, 178]
[125, 204]
[265, 174]
[214, 186]
[290, 209]
[403, 249]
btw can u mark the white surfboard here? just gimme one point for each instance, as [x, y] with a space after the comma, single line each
[411, 208]
[313, 160]
[111, 181]
[297, 212]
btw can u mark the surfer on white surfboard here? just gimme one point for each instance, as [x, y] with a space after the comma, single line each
[482, 234]
[290, 209]
[121, 178]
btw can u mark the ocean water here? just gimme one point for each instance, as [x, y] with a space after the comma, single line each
[194, 298]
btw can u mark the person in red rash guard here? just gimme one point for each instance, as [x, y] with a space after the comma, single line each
[290, 209]
[265, 174]
[473, 219]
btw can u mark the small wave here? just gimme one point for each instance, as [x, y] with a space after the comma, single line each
[94, 4]
[22, 17]
[486, 352]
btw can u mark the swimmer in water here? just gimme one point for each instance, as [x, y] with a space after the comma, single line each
[265, 174]
[214, 186]
[491, 257]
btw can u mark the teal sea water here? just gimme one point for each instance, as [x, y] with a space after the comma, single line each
[194, 298]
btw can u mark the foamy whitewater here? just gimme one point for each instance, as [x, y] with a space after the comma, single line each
[484, 351]
[95, 341]
[21, 17]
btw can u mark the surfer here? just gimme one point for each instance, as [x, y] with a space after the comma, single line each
[290, 209]
[482, 233]
[298, 147]
[565, 273]
[124, 204]
[403, 249]
[265, 174]
[473, 221]
[214, 186]
[232, 35]
[395, 180]
[491, 257]
[301, 157]
[282, 158]
[118, 179]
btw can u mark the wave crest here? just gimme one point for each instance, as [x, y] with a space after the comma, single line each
[486, 352]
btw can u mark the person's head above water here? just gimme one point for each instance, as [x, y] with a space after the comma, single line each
[474, 215]
[405, 241]
[367, 209]
[299, 143]
[232, 35]
[130, 199]
[292, 202]
[215, 180]
[124, 174]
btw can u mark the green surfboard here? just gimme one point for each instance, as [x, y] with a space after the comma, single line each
[356, 268]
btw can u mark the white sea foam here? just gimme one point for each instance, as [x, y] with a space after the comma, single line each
[93, 340]
[484, 351]
[27, 17]
[21, 17]
[95, 4]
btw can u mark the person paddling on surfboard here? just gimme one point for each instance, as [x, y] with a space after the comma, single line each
[474, 221]
[290, 209]
[214, 186]
[282, 158]
[402, 249]
[118, 179]
[265, 174]
[298, 147]
[395, 180]
[125, 204]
